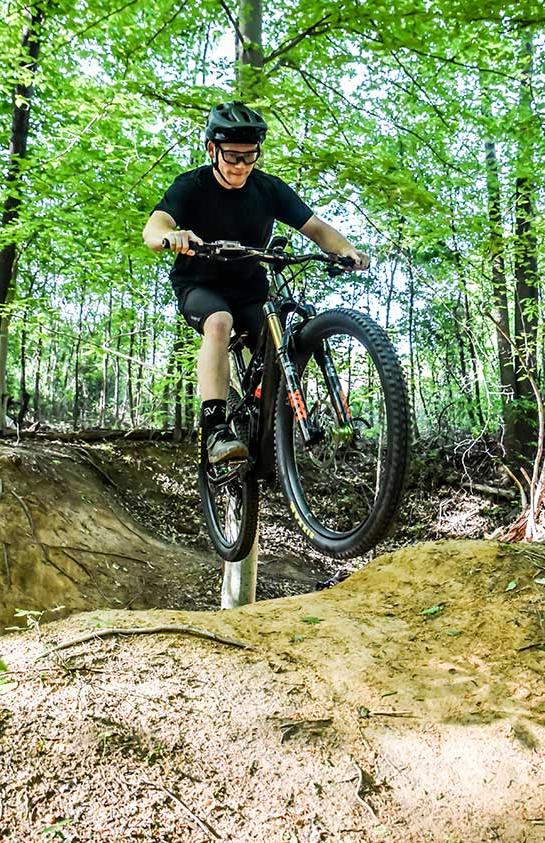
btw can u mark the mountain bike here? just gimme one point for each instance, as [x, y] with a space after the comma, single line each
[322, 406]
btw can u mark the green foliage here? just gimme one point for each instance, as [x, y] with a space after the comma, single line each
[432, 611]
[378, 115]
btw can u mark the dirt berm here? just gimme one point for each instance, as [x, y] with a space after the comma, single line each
[406, 704]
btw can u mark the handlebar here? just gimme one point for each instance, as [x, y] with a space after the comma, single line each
[229, 250]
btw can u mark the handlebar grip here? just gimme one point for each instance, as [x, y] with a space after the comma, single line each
[197, 248]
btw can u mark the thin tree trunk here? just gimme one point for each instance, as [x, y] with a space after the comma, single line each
[22, 97]
[142, 351]
[525, 259]
[501, 301]
[36, 402]
[76, 407]
[390, 293]
[49, 376]
[179, 381]
[154, 346]
[167, 390]
[117, 372]
[130, 387]
[412, 363]
[105, 365]
[473, 357]
[66, 367]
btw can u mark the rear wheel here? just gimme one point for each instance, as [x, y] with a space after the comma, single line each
[230, 500]
[345, 489]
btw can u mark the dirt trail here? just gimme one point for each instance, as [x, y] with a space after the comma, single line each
[406, 704]
[118, 525]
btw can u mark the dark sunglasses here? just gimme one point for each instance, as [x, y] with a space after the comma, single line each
[232, 157]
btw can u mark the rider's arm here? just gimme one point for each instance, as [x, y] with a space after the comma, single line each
[331, 240]
[158, 226]
[161, 225]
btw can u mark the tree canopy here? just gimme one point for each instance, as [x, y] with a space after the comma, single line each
[415, 128]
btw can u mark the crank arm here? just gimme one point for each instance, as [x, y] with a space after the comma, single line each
[226, 477]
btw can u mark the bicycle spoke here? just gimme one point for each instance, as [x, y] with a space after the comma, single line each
[345, 488]
[348, 459]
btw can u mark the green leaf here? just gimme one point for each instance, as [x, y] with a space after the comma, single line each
[296, 639]
[52, 829]
[540, 580]
[511, 585]
[312, 619]
[433, 610]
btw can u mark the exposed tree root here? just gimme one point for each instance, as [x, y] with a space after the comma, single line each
[179, 629]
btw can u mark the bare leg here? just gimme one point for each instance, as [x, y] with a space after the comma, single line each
[213, 362]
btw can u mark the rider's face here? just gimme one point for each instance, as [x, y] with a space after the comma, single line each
[236, 174]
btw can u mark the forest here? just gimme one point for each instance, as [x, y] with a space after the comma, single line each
[401, 700]
[414, 129]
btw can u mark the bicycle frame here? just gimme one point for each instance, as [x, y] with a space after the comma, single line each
[259, 378]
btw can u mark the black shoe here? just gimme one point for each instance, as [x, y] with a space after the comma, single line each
[222, 446]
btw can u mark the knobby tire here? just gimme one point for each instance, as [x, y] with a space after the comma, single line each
[345, 329]
[233, 542]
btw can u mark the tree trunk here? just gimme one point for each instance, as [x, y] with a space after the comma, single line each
[473, 357]
[142, 351]
[501, 302]
[130, 387]
[36, 403]
[249, 47]
[412, 360]
[76, 407]
[525, 261]
[22, 96]
[117, 372]
[154, 351]
[105, 364]
[179, 397]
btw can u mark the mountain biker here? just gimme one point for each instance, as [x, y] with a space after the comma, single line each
[229, 200]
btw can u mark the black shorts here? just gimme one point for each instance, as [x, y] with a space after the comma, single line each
[196, 304]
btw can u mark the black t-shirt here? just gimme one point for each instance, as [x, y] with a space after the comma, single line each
[196, 201]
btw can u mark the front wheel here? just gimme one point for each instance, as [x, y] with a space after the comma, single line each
[345, 489]
[230, 499]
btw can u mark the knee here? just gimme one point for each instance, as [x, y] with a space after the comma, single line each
[217, 327]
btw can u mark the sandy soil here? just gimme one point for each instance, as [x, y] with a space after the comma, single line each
[406, 704]
[118, 525]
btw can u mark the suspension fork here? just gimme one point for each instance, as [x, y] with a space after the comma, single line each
[324, 360]
[291, 375]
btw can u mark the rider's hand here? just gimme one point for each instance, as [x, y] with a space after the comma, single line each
[361, 260]
[179, 241]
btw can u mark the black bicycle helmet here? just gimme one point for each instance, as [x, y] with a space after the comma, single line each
[236, 123]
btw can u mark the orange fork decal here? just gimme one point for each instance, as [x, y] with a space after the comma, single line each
[344, 402]
[296, 401]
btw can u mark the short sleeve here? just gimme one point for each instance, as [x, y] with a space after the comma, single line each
[176, 202]
[290, 207]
